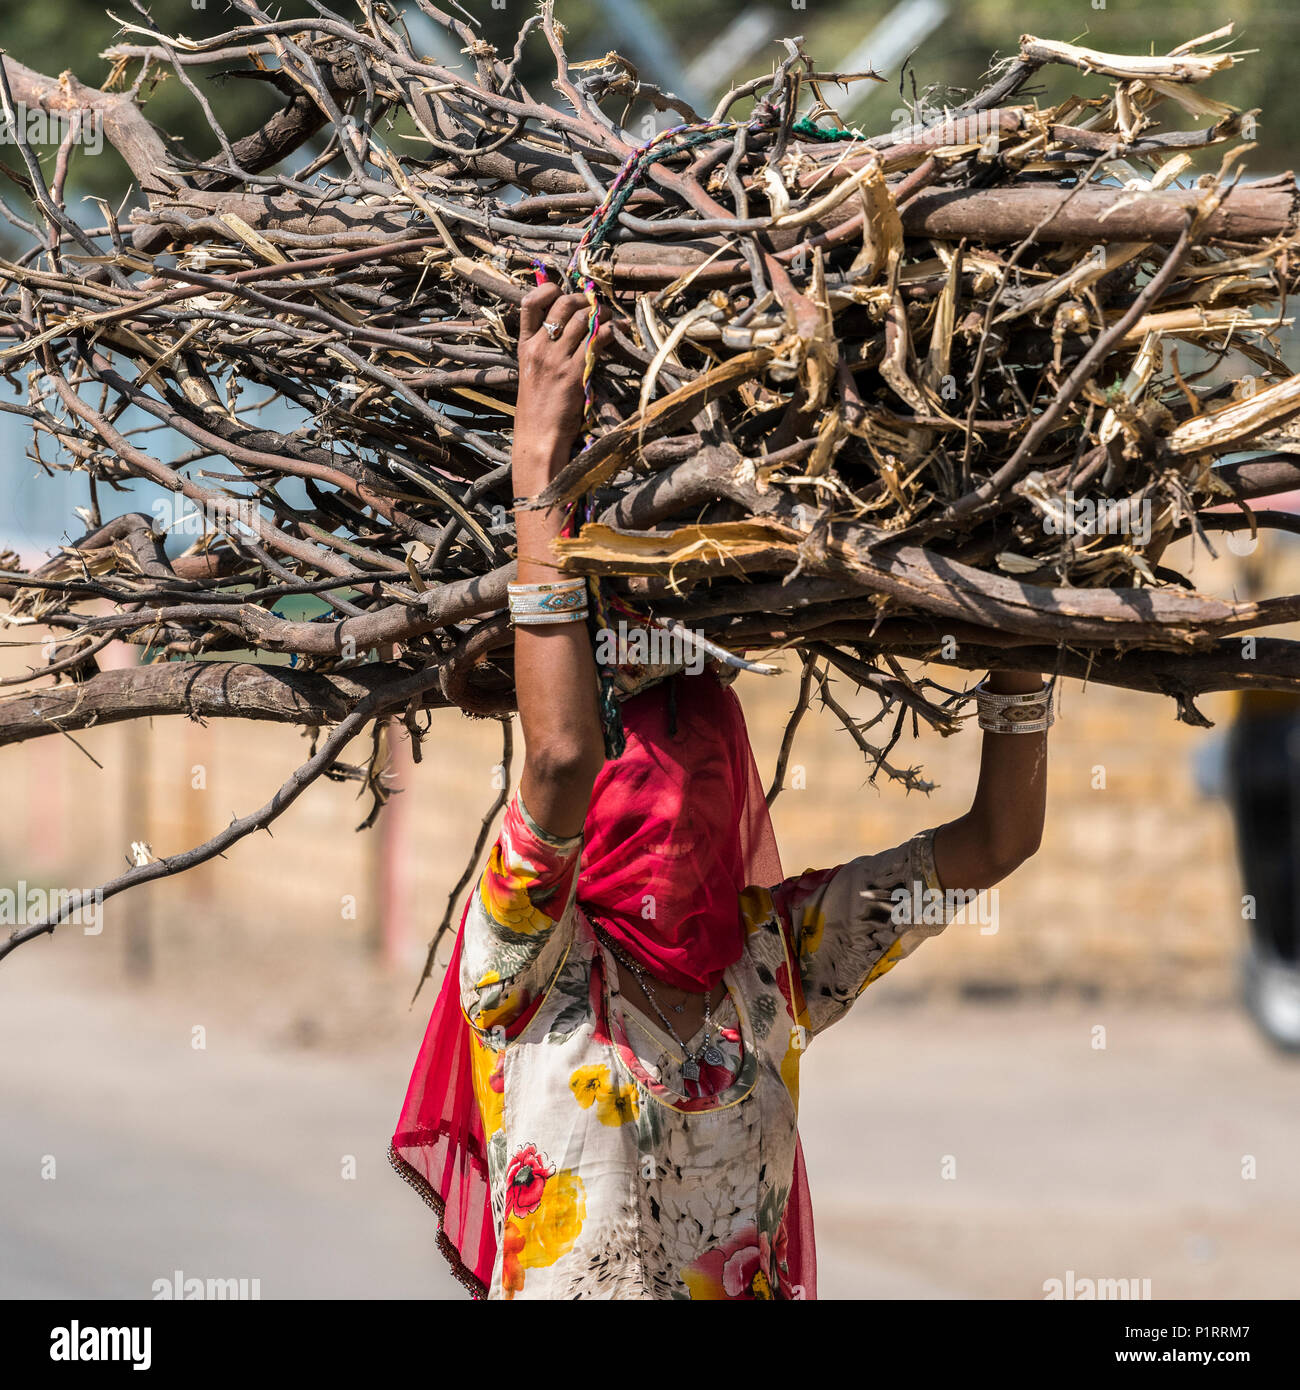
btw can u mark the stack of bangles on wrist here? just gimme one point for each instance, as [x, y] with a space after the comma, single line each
[1027, 713]
[536, 605]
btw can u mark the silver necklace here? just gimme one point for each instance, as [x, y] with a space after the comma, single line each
[709, 1052]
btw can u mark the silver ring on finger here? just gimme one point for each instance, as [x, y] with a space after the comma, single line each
[553, 330]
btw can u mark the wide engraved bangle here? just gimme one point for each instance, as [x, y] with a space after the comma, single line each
[560, 600]
[1021, 712]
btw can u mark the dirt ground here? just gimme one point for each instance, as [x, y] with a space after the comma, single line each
[955, 1150]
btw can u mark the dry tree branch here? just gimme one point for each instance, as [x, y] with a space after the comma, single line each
[792, 725]
[485, 827]
[855, 378]
[414, 684]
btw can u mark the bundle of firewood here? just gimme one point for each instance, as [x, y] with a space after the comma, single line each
[945, 392]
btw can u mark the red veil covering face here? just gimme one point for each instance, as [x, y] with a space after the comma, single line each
[678, 827]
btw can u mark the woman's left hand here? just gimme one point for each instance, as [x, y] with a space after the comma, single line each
[1005, 822]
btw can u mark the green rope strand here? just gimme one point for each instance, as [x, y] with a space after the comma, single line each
[611, 715]
[806, 126]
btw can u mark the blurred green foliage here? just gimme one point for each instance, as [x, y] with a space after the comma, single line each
[68, 35]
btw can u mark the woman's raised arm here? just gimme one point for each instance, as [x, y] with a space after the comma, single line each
[555, 675]
[1005, 822]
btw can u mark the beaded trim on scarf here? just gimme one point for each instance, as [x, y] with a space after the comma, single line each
[416, 1180]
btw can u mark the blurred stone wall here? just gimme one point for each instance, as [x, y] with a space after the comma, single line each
[1135, 887]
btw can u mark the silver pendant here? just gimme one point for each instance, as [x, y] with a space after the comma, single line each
[691, 1069]
[713, 1056]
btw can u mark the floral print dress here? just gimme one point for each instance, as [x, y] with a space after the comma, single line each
[612, 1174]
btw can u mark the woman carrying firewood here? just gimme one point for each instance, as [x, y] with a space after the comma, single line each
[605, 1104]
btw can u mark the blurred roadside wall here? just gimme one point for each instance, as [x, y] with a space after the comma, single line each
[1135, 889]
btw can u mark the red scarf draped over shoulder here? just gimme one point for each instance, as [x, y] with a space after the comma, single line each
[678, 827]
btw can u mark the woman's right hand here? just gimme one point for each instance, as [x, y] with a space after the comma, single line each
[551, 402]
[555, 673]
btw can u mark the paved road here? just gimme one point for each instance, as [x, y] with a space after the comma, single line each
[953, 1151]
[980, 1151]
[224, 1163]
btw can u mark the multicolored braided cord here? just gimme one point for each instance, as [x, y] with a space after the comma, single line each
[674, 140]
[665, 143]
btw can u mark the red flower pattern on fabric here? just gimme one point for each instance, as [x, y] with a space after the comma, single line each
[739, 1271]
[526, 1180]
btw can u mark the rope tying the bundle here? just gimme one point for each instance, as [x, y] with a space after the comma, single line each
[805, 125]
[666, 143]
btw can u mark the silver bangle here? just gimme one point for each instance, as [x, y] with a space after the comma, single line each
[1035, 726]
[1024, 712]
[548, 586]
[547, 619]
[559, 601]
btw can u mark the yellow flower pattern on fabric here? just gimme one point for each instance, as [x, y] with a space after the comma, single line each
[703, 1287]
[790, 1062]
[755, 908]
[884, 965]
[506, 1006]
[506, 899]
[489, 1086]
[814, 929]
[586, 1083]
[545, 1234]
[615, 1105]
